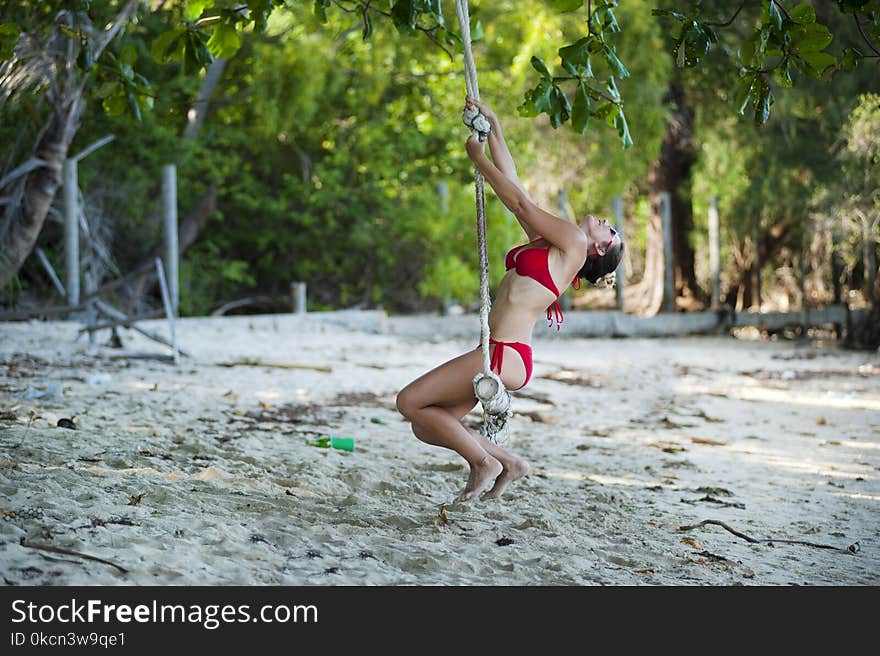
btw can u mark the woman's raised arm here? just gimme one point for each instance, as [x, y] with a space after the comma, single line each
[535, 221]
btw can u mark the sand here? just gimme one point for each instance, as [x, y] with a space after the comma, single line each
[201, 474]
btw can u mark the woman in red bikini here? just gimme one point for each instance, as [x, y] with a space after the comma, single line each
[558, 253]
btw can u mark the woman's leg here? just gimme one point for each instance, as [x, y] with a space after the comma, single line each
[514, 467]
[426, 402]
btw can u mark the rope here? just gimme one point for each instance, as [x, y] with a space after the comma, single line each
[487, 385]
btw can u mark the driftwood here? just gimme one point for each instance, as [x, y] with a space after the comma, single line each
[271, 365]
[853, 548]
[70, 552]
[124, 322]
[244, 302]
[120, 316]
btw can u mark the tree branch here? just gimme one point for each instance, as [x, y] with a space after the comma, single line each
[865, 36]
[102, 43]
[730, 20]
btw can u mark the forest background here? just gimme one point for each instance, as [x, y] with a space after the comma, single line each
[322, 142]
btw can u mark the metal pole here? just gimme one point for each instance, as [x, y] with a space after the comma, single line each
[71, 230]
[443, 192]
[715, 252]
[620, 274]
[54, 276]
[166, 301]
[668, 259]
[298, 294]
[169, 215]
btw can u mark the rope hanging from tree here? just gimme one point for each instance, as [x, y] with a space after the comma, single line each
[487, 385]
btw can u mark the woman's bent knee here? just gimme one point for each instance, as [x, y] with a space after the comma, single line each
[405, 403]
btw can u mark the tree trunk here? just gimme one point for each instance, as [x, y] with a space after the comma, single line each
[671, 172]
[40, 187]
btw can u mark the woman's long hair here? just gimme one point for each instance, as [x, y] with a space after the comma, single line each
[597, 267]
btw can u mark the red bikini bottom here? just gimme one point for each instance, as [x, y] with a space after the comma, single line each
[524, 350]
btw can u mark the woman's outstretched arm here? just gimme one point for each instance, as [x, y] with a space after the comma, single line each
[535, 221]
[501, 154]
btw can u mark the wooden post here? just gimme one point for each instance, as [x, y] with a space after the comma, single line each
[169, 216]
[715, 252]
[868, 228]
[802, 273]
[71, 230]
[836, 264]
[756, 273]
[620, 273]
[668, 259]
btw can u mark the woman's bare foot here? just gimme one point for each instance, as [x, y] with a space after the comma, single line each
[514, 469]
[481, 474]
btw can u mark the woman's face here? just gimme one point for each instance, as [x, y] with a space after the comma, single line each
[601, 236]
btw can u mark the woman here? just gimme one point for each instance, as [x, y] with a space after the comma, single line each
[538, 272]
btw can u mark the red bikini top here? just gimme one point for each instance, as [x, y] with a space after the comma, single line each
[532, 263]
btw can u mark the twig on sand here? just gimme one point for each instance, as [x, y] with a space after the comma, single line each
[853, 548]
[69, 552]
[720, 502]
[255, 363]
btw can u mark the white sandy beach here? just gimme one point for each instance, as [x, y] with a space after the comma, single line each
[628, 441]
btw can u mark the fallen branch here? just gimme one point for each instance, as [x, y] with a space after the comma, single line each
[853, 548]
[720, 502]
[254, 363]
[69, 552]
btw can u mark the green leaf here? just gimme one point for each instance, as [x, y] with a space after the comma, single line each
[803, 14]
[225, 41]
[614, 63]
[851, 58]
[564, 6]
[321, 9]
[106, 89]
[538, 65]
[8, 38]
[623, 129]
[168, 45]
[435, 7]
[606, 110]
[536, 100]
[578, 55]
[194, 8]
[116, 104]
[580, 112]
[560, 108]
[744, 91]
[671, 14]
[814, 36]
[819, 61]
[128, 56]
[773, 14]
[612, 89]
[404, 15]
[762, 98]
[782, 75]
[135, 107]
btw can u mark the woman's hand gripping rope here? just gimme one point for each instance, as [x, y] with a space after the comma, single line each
[476, 121]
